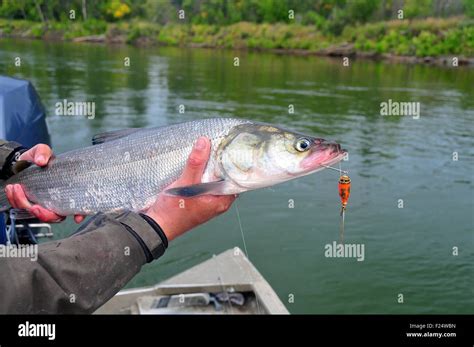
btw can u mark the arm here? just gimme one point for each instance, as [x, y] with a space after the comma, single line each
[80, 273]
[97, 261]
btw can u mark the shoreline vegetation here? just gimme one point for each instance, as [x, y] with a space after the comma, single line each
[410, 31]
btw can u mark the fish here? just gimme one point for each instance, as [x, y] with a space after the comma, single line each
[127, 169]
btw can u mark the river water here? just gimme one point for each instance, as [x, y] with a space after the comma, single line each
[393, 161]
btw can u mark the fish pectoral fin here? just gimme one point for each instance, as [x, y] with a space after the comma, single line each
[112, 135]
[213, 188]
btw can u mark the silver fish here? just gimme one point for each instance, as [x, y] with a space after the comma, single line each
[126, 169]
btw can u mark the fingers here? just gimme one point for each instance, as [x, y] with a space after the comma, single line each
[78, 218]
[45, 215]
[10, 195]
[16, 196]
[196, 163]
[39, 154]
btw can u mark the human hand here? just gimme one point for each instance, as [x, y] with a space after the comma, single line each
[39, 155]
[175, 214]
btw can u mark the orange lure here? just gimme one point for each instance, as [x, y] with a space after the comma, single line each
[344, 190]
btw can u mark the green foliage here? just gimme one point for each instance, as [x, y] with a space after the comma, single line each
[469, 8]
[417, 8]
[338, 20]
[426, 44]
[138, 30]
[6, 28]
[313, 18]
[172, 35]
[94, 26]
[360, 11]
[337, 13]
[421, 38]
[11, 9]
[37, 30]
[259, 24]
[160, 12]
[272, 11]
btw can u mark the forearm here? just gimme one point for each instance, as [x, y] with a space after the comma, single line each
[80, 273]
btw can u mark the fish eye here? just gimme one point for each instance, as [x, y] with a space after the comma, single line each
[302, 144]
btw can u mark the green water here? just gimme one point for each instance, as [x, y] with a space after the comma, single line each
[408, 250]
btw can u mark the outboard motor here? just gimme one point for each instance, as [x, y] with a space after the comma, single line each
[22, 119]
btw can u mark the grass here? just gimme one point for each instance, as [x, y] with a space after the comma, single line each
[422, 38]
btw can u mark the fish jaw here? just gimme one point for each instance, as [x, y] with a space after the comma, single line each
[322, 156]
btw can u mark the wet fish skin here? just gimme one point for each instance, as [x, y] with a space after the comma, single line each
[123, 174]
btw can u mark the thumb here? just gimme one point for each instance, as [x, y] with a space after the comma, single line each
[39, 154]
[196, 163]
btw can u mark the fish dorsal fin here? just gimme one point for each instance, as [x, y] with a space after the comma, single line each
[113, 135]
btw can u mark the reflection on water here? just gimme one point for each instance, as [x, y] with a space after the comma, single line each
[407, 250]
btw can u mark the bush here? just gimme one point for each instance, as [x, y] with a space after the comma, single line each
[37, 30]
[95, 26]
[172, 35]
[426, 44]
[141, 29]
[338, 20]
[313, 18]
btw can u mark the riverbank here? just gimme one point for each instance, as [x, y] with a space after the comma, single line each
[434, 41]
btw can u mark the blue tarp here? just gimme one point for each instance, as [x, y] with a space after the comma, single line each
[22, 116]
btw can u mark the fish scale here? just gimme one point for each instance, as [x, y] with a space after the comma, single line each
[123, 174]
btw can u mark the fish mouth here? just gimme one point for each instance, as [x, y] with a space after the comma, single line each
[323, 154]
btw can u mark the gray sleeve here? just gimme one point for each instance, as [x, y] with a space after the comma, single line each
[82, 272]
[9, 151]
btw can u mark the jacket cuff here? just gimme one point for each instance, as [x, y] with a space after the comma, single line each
[152, 241]
[9, 154]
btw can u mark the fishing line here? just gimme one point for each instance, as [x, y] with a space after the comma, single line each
[341, 231]
[336, 169]
[224, 290]
[245, 250]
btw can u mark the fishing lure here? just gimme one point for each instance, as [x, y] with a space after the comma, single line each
[344, 187]
[344, 191]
